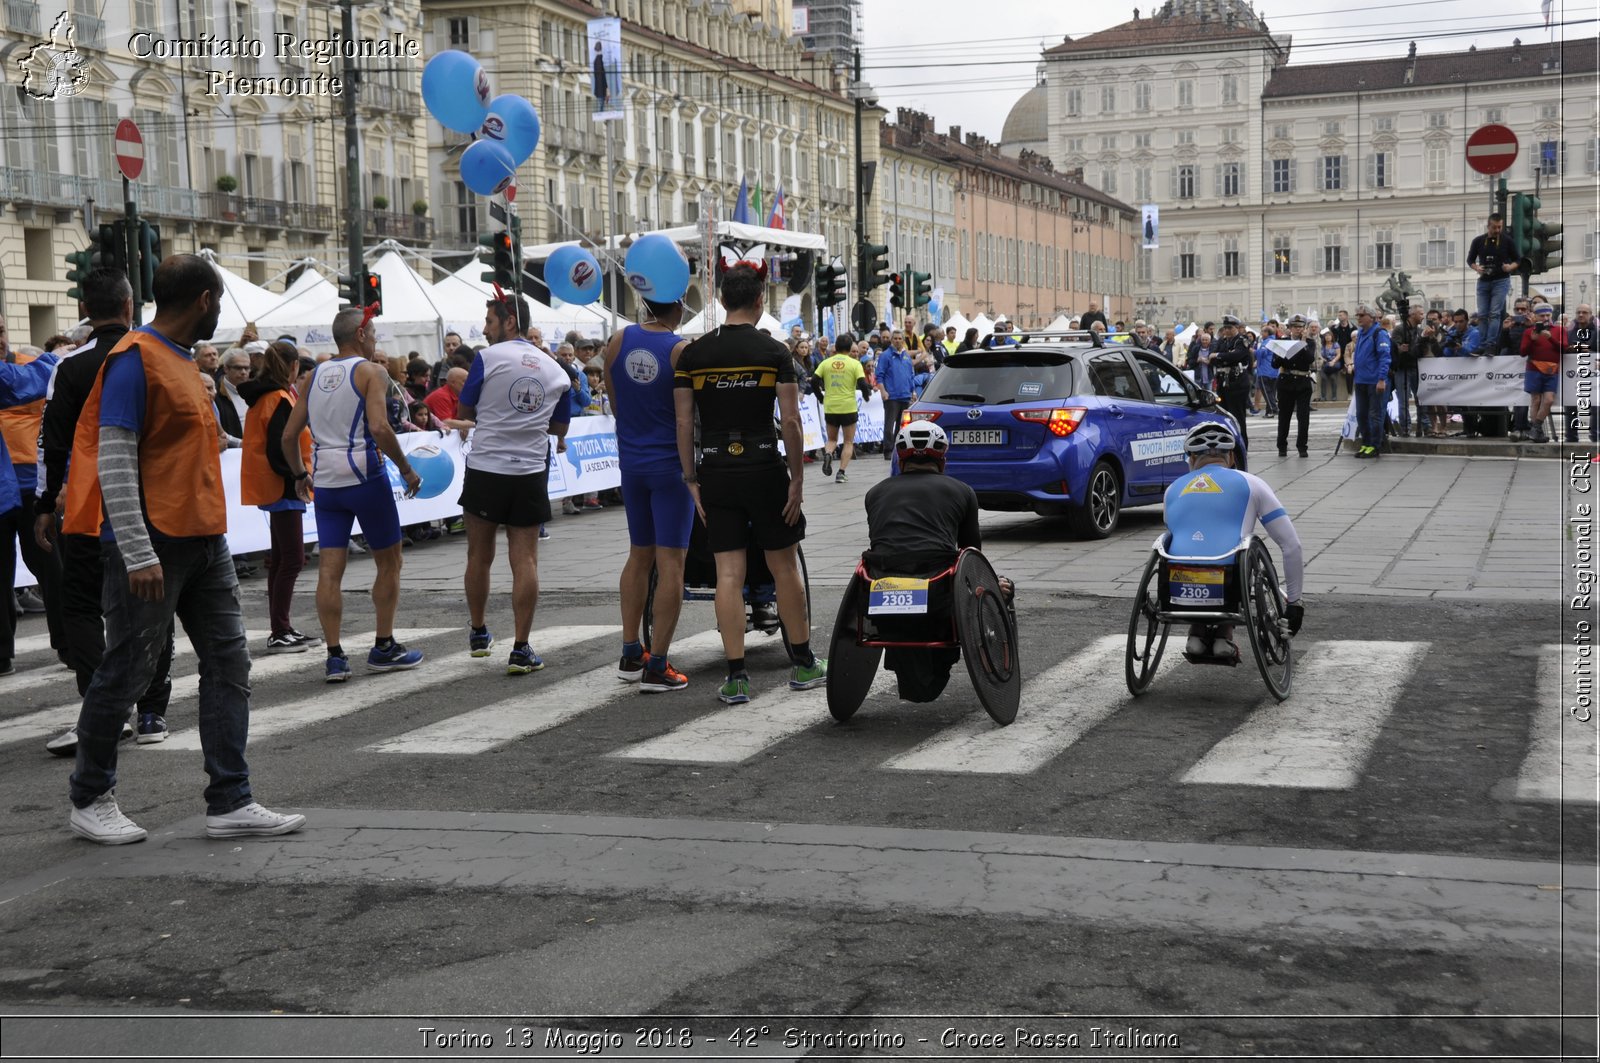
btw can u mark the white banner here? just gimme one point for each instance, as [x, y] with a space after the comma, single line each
[589, 464]
[1498, 381]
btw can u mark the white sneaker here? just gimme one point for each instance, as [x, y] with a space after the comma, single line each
[103, 822]
[252, 821]
[1196, 646]
[1225, 649]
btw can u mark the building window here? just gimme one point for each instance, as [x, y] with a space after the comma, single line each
[1143, 266]
[1108, 99]
[1188, 263]
[1108, 143]
[1230, 89]
[1333, 253]
[1439, 120]
[1230, 178]
[1142, 190]
[1075, 145]
[1074, 102]
[1283, 176]
[1184, 181]
[1549, 112]
[459, 34]
[1280, 131]
[1331, 128]
[1332, 173]
[1230, 135]
[1380, 169]
[1141, 140]
[1185, 138]
[1383, 124]
[1438, 251]
[1141, 96]
[1232, 263]
[1434, 163]
[1282, 255]
[1493, 116]
[1108, 180]
[1381, 255]
[1551, 159]
[1186, 92]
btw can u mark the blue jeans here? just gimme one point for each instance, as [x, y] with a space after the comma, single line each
[202, 591]
[1405, 383]
[1492, 292]
[1371, 409]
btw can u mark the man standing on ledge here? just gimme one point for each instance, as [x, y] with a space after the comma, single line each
[730, 377]
[1493, 258]
[346, 408]
[149, 429]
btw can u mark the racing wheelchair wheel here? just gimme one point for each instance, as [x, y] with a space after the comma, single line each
[987, 632]
[1262, 604]
[1147, 634]
[851, 667]
[647, 622]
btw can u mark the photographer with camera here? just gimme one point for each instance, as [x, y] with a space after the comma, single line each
[1542, 345]
[1580, 344]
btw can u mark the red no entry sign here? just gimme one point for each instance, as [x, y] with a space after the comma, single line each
[130, 149]
[1492, 149]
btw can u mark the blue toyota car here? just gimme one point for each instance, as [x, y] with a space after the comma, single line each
[1065, 427]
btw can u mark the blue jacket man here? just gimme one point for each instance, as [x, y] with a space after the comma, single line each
[895, 373]
[1371, 381]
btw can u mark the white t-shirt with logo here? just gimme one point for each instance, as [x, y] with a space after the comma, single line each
[517, 390]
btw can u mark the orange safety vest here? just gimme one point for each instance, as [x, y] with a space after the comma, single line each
[259, 485]
[180, 471]
[19, 426]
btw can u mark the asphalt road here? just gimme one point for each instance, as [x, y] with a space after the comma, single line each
[1395, 861]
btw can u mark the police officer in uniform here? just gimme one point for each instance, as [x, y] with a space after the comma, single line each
[1298, 371]
[1231, 359]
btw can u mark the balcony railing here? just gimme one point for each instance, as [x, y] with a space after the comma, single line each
[90, 32]
[22, 16]
[267, 213]
[21, 186]
[392, 225]
[390, 99]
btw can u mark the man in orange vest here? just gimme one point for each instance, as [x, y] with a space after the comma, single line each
[21, 386]
[150, 431]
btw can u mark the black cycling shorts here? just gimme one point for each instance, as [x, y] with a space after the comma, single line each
[515, 501]
[841, 420]
[747, 507]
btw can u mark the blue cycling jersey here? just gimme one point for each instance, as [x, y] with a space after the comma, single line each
[647, 420]
[1212, 509]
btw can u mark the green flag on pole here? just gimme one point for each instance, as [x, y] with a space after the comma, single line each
[755, 203]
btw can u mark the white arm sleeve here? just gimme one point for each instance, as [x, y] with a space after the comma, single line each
[1275, 519]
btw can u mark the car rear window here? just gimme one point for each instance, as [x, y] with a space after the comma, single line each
[992, 380]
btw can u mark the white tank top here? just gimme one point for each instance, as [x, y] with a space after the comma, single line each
[343, 453]
[514, 388]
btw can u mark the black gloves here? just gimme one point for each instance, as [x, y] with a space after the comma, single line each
[1297, 615]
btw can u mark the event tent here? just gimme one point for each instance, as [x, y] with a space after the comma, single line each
[983, 325]
[960, 324]
[713, 316]
[242, 303]
[461, 297]
[410, 321]
[1061, 324]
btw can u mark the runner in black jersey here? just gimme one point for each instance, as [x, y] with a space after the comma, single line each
[730, 377]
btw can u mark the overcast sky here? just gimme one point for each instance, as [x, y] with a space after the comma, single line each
[911, 48]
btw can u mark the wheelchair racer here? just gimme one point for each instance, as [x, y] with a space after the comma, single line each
[917, 525]
[1210, 510]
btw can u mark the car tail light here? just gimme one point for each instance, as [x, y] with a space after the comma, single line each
[907, 416]
[1061, 422]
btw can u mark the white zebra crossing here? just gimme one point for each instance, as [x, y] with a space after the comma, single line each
[1058, 708]
[363, 691]
[1563, 758]
[53, 674]
[1321, 737]
[544, 707]
[52, 721]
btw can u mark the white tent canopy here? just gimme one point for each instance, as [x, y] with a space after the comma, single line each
[242, 303]
[960, 324]
[692, 234]
[461, 297]
[307, 310]
[983, 325]
[714, 315]
[1061, 324]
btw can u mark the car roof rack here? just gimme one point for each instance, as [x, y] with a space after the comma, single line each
[1098, 339]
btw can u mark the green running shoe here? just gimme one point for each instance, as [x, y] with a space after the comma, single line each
[735, 691]
[807, 676]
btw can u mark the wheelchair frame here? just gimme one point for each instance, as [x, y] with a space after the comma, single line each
[1252, 598]
[983, 625]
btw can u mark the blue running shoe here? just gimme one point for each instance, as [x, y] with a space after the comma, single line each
[523, 660]
[394, 659]
[338, 670]
[479, 640]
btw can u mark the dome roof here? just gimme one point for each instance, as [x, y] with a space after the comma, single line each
[1027, 124]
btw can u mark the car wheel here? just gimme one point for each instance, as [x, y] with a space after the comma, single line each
[1097, 517]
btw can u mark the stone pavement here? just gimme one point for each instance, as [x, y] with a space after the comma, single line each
[1477, 528]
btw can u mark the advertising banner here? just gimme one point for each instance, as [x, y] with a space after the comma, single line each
[605, 68]
[1496, 381]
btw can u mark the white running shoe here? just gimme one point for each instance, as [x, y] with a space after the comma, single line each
[1225, 649]
[103, 822]
[1196, 646]
[253, 821]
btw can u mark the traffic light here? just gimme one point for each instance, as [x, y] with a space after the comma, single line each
[863, 317]
[113, 247]
[1544, 246]
[830, 284]
[371, 291]
[503, 259]
[874, 259]
[1521, 223]
[149, 259]
[921, 285]
[897, 290]
[79, 263]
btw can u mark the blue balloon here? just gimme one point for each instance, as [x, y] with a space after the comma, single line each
[657, 269]
[513, 122]
[456, 90]
[486, 167]
[572, 275]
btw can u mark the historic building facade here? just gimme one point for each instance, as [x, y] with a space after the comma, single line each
[1286, 187]
[244, 145]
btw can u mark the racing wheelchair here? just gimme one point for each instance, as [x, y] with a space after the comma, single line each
[959, 608]
[1239, 587]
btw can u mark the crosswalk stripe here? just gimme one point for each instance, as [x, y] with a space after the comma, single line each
[31, 644]
[1563, 756]
[546, 707]
[1321, 737]
[52, 674]
[57, 718]
[363, 691]
[739, 732]
[1058, 708]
